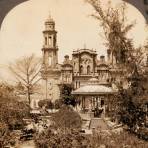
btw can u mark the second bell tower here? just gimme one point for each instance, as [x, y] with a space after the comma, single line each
[50, 49]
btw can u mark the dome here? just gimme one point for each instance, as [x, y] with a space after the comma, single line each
[50, 24]
[93, 81]
[50, 20]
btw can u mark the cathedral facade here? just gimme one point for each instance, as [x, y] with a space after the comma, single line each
[77, 71]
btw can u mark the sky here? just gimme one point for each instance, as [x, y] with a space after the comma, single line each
[21, 31]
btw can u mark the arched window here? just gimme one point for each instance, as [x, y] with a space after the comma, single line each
[50, 40]
[88, 69]
[45, 40]
[49, 60]
[81, 69]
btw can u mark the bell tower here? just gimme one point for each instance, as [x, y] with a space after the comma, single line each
[50, 71]
[50, 49]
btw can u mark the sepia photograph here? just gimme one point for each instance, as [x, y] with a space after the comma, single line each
[73, 73]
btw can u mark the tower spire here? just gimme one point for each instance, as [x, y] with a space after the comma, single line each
[49, 16]
[49, 19]
[84, 45]
[50, 50]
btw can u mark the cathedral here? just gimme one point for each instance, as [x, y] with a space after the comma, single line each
[93, 80]
[77, 71]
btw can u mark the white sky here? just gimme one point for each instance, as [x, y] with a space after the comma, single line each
[21, 31]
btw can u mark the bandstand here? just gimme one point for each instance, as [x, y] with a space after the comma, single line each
[95, 97]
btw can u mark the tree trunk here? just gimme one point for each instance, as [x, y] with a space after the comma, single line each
[28, 95]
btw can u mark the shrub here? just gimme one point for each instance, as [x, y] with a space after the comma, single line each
[73, 138]
[60, 139]
[58, 103]
[6, 137]
[47, 103]
[66, 117]
[143, 133]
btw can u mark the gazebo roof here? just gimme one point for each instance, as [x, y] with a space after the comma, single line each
[94, 88]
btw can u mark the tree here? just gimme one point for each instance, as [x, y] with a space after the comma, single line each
[67, 98]
[112, 20]
[12, 113]
[130, 61]
[26, 70]
[58, 103]
[131, 100]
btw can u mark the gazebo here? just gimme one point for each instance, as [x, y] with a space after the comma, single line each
[94, 97]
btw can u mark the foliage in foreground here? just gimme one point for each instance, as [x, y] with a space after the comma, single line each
[46, 103]
[74, 139]
[11, 110]
[59, 139]
[6, 136]
[67, 118]
[65, 133]
[12, 113]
